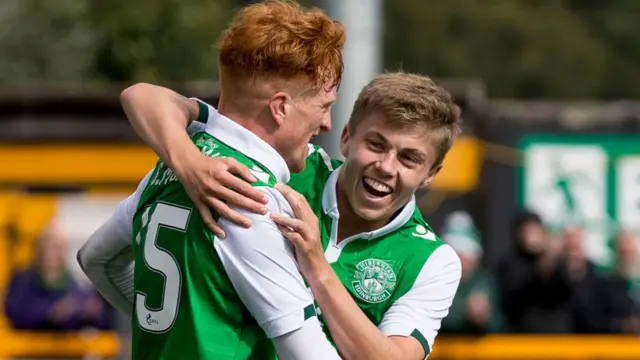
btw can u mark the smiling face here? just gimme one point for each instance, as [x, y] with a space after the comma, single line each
[384, 166]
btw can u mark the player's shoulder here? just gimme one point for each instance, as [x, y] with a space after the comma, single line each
[417, 235]
[277, 202]
[317, 169]
[211, 146]
[317, 157]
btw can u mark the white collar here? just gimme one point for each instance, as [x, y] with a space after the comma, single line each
[330, 207]
[248, 143]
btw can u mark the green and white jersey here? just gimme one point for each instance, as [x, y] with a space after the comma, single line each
[402, 276]
[197, 297]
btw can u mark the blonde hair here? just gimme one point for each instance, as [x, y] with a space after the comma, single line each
[410, 100]
[282, 39]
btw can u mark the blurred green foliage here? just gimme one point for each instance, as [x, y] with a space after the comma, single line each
[115, 40]
[519, 48]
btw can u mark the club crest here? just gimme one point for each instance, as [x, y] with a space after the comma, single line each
[374, 280]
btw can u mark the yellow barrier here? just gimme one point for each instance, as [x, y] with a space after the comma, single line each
[91, 164]
[64, 164]
[34, 344]
[537, 347]
[461, 167]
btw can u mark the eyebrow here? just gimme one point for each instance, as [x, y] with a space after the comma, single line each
[377, 135]
[416, 153]
[411, 151]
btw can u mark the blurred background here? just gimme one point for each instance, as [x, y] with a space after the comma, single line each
[540, 196]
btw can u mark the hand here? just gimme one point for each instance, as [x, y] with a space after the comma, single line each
[93, 307]
[218, 183]
[63, 309]
[303, 232]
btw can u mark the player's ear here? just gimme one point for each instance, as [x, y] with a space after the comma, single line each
[344, 141]
[429, 178]
[280, 107]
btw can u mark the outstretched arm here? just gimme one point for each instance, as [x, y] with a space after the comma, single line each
[160, 116]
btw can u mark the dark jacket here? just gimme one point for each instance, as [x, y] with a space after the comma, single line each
[534, 303]
[29, 301]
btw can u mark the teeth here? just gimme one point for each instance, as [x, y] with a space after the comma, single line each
[377, 185]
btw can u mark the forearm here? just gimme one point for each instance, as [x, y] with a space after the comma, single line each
[296, 344]
[353, 333]
[107, 260]
[160, 117]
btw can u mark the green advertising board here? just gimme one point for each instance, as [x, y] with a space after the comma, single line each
[588, 181]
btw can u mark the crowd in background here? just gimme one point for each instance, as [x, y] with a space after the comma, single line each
[546, 285]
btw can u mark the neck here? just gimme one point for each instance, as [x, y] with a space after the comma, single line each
[350, 223]
[251, 120]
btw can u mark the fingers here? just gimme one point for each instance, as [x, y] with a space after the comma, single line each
[287, 191]
[207, 218]
[232, 198]
[243, 190]
[242, 170]
[291, 223]
[298, 203]
[228, 213]
[296, 239]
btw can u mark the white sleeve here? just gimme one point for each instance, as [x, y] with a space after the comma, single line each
[195, 126]
[308, 342]
[261, 265]
[126, 209]
[420, 311]
[107, 256]
[205, 113]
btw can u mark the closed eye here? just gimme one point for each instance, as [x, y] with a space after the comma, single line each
[411, 159]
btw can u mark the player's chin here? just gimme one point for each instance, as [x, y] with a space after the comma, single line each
[298, 165]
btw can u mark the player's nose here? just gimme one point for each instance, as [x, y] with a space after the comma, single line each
[325, 125]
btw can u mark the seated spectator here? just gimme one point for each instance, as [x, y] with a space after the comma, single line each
[536, 290]
[45, 297]
[475, 309]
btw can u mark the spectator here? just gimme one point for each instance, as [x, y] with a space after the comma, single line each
[588, 288]
[475, 309]
[45, 297]
[536, 287]
[621, 310]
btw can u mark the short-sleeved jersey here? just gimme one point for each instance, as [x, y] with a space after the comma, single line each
[185, 305]
[381, 268]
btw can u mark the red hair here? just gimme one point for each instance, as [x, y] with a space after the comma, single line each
[282, 39]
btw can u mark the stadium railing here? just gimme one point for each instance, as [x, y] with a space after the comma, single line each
[538, 347]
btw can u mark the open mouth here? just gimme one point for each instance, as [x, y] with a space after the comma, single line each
[375, 187]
